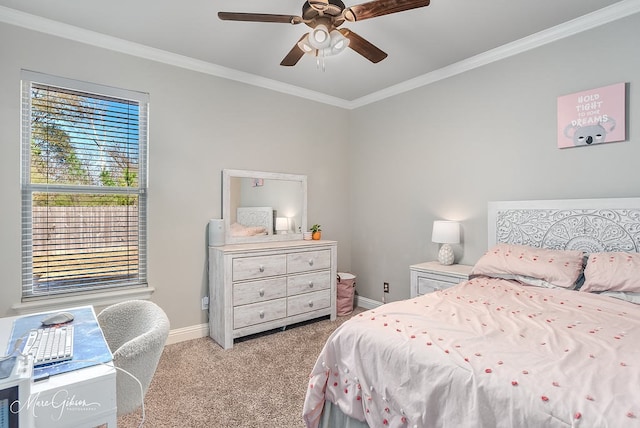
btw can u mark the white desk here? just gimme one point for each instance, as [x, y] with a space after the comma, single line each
[83, 398]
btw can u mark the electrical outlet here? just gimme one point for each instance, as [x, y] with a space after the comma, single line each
[205, 303]
[385, 287]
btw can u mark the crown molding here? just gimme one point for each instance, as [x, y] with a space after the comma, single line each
[595, 19]
[592, 20]
[70, 32]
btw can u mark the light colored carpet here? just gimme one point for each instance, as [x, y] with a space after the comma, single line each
[260, 382]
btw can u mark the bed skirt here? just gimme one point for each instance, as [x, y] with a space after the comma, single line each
[333, 417]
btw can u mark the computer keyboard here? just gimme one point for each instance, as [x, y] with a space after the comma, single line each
[50, 345]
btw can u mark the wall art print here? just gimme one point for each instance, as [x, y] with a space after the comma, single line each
[592, 117]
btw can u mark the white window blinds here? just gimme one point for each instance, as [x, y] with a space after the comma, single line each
[84, 179]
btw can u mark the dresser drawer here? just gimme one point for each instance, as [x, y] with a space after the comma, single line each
[257, 313]
[259, 291]
[429, 285]
[307, 282]
[308, 260]
[259, 267]
[308, 302]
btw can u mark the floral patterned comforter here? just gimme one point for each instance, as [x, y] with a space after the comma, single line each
[485, 353]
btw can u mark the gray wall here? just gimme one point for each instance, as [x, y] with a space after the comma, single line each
[377, 177]
[199, 124]
[443, 151]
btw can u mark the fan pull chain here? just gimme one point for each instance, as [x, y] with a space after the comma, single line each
[318, 62]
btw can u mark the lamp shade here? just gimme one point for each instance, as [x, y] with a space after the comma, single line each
[305, 46]
[282, 224]
[446, 232]
[319, 37]
[338, 42]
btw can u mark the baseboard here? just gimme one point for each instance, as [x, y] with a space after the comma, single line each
[188, 333]
[366, 303]
[202, 330]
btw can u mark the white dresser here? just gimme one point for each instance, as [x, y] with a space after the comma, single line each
[262, 286]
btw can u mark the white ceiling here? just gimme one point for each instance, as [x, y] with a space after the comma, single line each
[422, 43]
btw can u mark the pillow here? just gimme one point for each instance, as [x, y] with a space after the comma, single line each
[612, 272]
[239, 230]
[532, 266]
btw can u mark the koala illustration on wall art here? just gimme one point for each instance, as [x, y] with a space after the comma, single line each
[589, 134]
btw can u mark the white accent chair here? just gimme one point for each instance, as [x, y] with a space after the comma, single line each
[136, 332]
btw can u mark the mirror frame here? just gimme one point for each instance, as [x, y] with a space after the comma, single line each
[228, 174]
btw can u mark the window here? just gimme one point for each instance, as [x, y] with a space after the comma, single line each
[84, 182]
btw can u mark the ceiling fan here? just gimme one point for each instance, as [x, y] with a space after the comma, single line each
[324, 17]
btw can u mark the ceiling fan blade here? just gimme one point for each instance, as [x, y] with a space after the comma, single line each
[259, 17]
[363, 47]
[294, 55]
[375, 8]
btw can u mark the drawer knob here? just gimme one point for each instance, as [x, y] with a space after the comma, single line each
[261, 292]
[310, 262]
[311, 304]
[261, 268]
[310, 284]
[261, 313]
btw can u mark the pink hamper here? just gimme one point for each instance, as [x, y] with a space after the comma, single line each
[346, 291]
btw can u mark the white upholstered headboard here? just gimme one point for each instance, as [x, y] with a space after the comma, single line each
[256, 217]
[589, 225]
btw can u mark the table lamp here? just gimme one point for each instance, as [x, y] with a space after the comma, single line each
[282, 225]
[446, 232]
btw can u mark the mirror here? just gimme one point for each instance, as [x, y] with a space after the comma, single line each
[263, 206]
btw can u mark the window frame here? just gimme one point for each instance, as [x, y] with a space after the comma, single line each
[140, 286]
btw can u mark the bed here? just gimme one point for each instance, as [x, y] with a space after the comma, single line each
[252, 221]
[546, 333]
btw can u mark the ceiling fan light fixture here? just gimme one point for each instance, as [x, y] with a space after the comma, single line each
[338, 42]
[305, 45]
[324, 15]
[319, 37]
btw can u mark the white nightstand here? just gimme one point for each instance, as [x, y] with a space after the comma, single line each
[431, 276]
